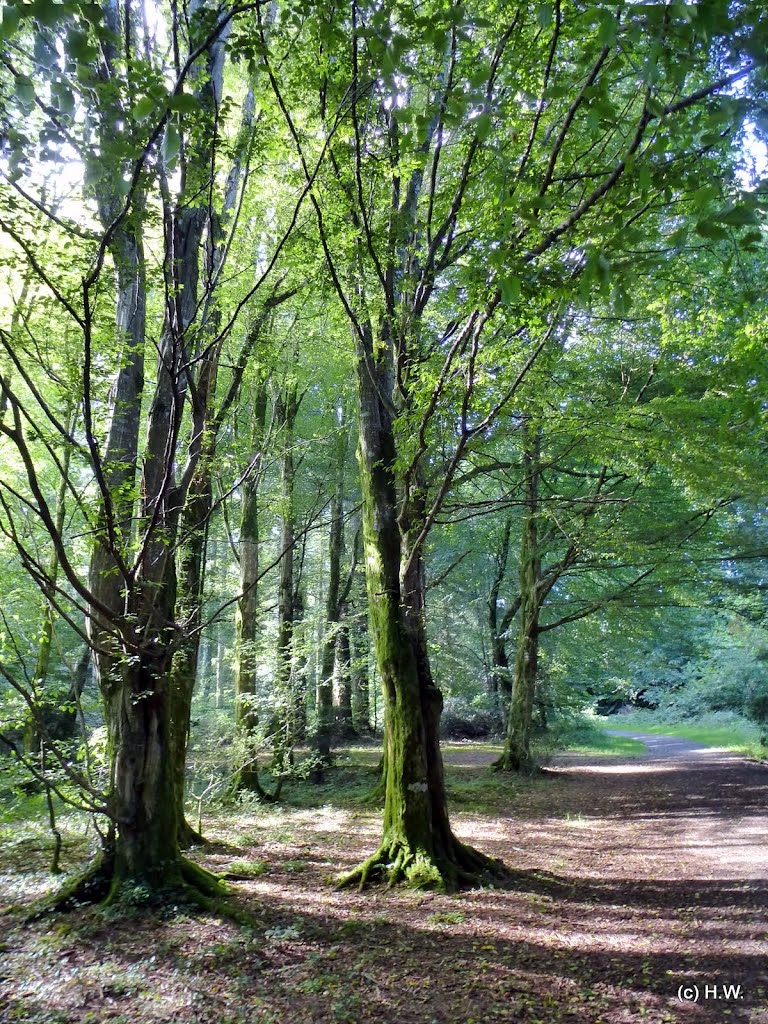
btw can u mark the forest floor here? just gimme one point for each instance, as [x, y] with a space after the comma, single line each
[633, 879]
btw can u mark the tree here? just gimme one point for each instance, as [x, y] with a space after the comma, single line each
[116, 80]
[466, 203]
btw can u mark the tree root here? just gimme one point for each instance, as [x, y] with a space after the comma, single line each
[202, 880]
[90, 886]
[507, 763]
[396, 862]
[186, 882]
[247, 780]
[189, 836]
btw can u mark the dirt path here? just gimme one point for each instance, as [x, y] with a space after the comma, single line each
[660, 861]
[633, 880]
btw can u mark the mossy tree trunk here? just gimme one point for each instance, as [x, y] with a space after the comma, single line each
[139, 711]
[418, 845]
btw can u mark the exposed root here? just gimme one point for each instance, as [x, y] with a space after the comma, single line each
[186, 882]
[189, 836]
[508, 763]
[203, 880]
[91, 886]
[396, 862]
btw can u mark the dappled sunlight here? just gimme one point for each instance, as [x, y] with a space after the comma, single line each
[621, 886]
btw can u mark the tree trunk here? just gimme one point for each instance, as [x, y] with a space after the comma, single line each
[516, 755]
[191, 571]
[499, 684]
[106, 581]
[193, 538]
[417, 845]
[247, 620]
[285, 416]
[145, 860]
[325, 710]
[297, 728]
[345, 728]
[359, 651]
[144, 803]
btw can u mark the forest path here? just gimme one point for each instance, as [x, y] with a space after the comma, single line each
[658, 860]
[679, 809]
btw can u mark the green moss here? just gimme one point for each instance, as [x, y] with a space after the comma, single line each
[248, 868]
[422, 873]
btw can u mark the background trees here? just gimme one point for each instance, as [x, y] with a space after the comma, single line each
[511, 256]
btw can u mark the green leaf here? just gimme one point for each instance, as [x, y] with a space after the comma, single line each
[510, 291]
[25, 91]
[739, 217]
[62, 97]
[603, 269]
[143, 108]
[750, 239]
[544, 15]
[171, 145]
[483, 126]
[79, 47]
[49, 14]
[607, 28]
[184, 103]
[707, 229]
[10, 16]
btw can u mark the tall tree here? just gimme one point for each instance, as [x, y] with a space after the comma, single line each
[118, 81]
[458, 251]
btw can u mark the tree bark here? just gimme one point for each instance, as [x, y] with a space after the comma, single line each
[191, 572]
[345, 728]
[516, 755]
[418, 845]
[499, 683]
[106, 582]
[325, 709]
[359, 651]
[286, 406]
[247, 620]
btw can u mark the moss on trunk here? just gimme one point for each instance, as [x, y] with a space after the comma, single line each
[418, 846]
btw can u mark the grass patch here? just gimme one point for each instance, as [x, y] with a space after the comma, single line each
[446, 917]
[603, 743]
[728, 731]
[582, 736]
[249, 868]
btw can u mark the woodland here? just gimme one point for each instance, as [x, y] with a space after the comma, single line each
[372, 376]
